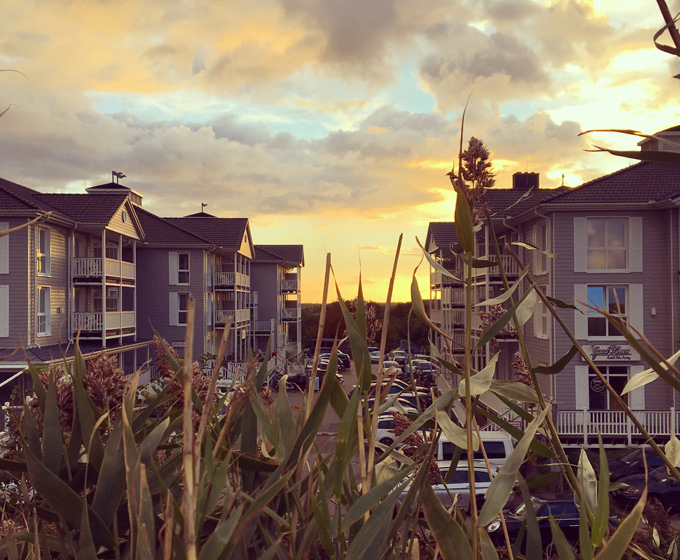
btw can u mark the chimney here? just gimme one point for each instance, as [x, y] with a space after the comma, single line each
[524, 181]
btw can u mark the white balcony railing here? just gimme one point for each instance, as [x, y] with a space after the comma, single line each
[90, 267]
[88, 321]
[239, 315]
[509, 264]
[120, 320]
[231, 279]
[585, 424]
[291, 313]
[289, 285]
[262, 326]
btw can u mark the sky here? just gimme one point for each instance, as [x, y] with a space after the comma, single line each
[327, 123]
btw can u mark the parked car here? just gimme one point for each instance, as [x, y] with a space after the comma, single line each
[633, 463]
[563, 509]
[344, 359]
[458, 488]
[497, 445]
[399, 356]
[660, 485]
[390, 367]
[375, 356]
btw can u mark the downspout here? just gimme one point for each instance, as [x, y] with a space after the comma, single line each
[487, 349]
[34, 269]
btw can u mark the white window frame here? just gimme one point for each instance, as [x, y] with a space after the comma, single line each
[43, 242]
[634, 311]
[633, 244]
[542, 242]
[4, 249]
[186, 272]
[542, 316]
[4, 311]
[43, 311]
[179, 302]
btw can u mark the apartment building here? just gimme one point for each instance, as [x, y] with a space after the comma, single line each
[101, 268]
[616, 240]
[276, 290]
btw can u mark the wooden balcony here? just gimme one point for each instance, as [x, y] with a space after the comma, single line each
[291, 314]
[581, 427]
[226, 280]
[239, 315]
[509, 265]
[289, 286]
[86, 268]
[97, 322]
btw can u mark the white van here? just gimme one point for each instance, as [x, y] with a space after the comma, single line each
[497, 445]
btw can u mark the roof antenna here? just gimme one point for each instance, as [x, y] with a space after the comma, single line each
[203, 205]
[562, 179]
[118, 175]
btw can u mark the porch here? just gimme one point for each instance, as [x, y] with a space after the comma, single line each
[230, 279]
[110, 321]
[89, 268]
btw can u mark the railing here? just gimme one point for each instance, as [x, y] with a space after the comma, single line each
[262, 326]
[120, 320]
[88, 321]
[291, 314]
[288, 285]
[510, 417]
[90, 267]
[231, 279]
[222, 314]
[585, 424]
[509, 264]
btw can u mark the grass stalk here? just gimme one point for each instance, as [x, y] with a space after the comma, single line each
[188, 457]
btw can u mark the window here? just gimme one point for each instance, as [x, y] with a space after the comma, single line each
[111, 299]
[607, 243]
[542, 242]
[614, 300]
[598, 395]
[541, 317]
[43, 312]
[182, 308]
[183, 268]
[43, 251]
[4, 249]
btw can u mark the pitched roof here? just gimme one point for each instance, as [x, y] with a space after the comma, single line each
[224, 232]
[293, 254]
[18, 197]
[85, 208]
[443, 234]
[506, 203]
[637, 184]
[160, 231]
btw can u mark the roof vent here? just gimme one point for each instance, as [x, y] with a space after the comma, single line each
[525, 181]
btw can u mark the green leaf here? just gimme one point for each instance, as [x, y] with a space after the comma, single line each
[531, 247]
[584, 534]
[560, 364]
[506, 295]
[536, 446]
[346, 443]
[564, 550]
[52, 437]
[463, 219]
[672, 450]
[526, 309]
[616, 546]
[111, 481]
[454, 433]
[219, 539]
[450, 536]
[437, 266]
[647, 376]
[357, 340]
[601, 520]
[419, 308]
[501, 485]
[486, 546]
[534, 542]
[562, 304]
[474, 262]
[504, 319]
[481, 382]
[514, 390]
[86, 547]
[587, 480]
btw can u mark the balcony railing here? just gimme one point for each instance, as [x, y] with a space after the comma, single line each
[289, 285]
[262, 326]
[291, 313]
[585, 424]
[95, 322]
[231, 279]
[511, 267]
[239, 315]
[90, 267]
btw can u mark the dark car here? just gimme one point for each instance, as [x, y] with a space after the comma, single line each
[633, 463]
[344, 359]
[563, 509]
[660, 485]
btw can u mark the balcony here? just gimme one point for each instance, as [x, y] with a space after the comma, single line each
[86, 268]
[240, 316]
[509, 265]
[226, 280]
[291, 314]
[290, 285]
[262, 327]
[109, 321]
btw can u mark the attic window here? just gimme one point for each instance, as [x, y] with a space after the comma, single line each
[124, 216]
